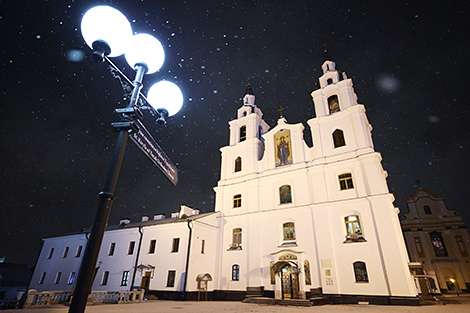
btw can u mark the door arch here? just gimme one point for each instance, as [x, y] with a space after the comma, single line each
[289, 274]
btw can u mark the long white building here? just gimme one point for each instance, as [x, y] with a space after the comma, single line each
[290, 221]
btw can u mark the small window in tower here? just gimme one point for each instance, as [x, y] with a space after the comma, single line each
[329, 81]
[345, 181]
[237, 201]
[338, 138]
[427, 209]
[238, 164]
[242, 133]
[360, 271]
[333, 104]
[244, 113]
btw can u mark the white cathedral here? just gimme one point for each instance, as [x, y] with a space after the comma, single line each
[290, 221]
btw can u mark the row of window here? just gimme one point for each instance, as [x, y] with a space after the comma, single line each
[359, 267]
[352, 223]
[104, 278]
[338, 141]
[152, 246]
[65, 252]
[439, 246]
[57, 278]
[285, 191]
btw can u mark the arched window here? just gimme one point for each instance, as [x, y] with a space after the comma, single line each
[237, 201]
[329, 81]
[237, 236]
[289, 231]
[242, 133]
[345, 181]
[285, 195]
[235, 272]
[238, 164]
[338, 138]
[333, 104]
[360, 272]
[427, 209]
[353, 225]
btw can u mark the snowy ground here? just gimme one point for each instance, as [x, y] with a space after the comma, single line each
[238, 307]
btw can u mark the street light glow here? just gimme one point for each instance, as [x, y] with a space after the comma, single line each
[165, 95]
[146, 49]
[104, 23]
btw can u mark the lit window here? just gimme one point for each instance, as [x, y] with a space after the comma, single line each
[104, 279]
[242, 133]
[171, 279]
[345, 181]
[237, 201]
[438, 244]
[289, 231]
[125, 278]
[238, 164]
[235, 272]
[338, 138]
[285, 195]
[360, 272]
[353, 225]
[176, 244]
[71, 278]
[237, 236]
[427, 210]
[130, 250]
[66, 251]
[57, 278]
[153, 244]
[112, 247]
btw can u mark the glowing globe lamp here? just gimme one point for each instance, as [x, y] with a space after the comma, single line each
[145, 49]
[104, 26]
[165, 95]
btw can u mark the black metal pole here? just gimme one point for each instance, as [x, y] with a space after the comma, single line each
[190, 226]
[87, 267]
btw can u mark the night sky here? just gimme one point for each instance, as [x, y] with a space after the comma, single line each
[409, 63]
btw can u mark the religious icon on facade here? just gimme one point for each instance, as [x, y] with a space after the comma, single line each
[308, 279]
[273, 273]
[283, 152]
[438, 244]
[285, 194]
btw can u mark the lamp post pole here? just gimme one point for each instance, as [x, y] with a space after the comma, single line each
[106, 198]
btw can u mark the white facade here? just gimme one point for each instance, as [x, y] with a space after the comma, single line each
[290, 221]
[249, 197]
[134, 255]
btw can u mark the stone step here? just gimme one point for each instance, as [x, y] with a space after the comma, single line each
[271, 301]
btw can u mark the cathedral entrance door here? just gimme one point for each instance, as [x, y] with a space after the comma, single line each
[290, 282]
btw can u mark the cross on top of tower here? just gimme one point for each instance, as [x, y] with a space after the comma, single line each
[280, 111]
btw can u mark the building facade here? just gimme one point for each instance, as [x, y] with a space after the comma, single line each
[297, 221]
[290, 221]
[438, 240]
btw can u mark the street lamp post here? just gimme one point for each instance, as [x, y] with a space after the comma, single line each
[108, 32]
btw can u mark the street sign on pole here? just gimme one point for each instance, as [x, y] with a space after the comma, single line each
[152, 150]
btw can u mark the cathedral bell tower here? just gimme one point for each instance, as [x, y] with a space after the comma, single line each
[246, 140]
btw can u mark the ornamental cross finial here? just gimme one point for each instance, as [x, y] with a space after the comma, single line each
[280, 111]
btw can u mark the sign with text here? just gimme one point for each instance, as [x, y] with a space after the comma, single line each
[149, 146]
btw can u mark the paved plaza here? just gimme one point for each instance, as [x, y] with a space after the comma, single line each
[452, 305]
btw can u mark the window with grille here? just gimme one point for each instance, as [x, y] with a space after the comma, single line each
[345, 181]
[289, 231]
[235, 272]
[237, 201]
[360, 272]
